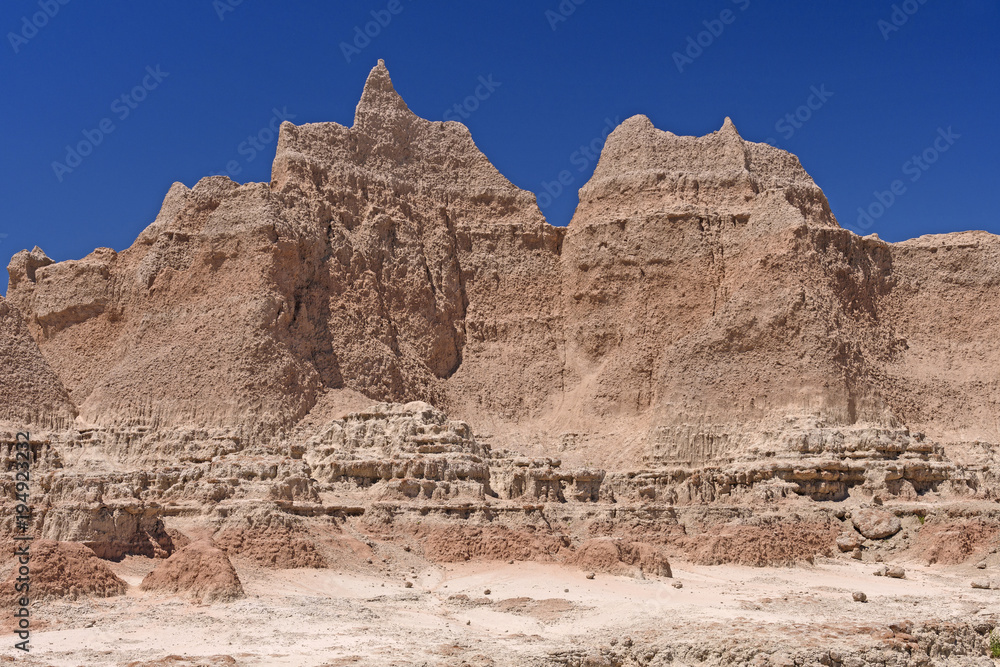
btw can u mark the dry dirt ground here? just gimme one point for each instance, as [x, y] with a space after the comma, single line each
[535, 614]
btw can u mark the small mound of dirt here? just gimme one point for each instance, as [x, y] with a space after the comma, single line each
[616, 556]
[953, 542]
[200, 571]
[270, 538]
[65, 570]
[449, 544]
[766, 543]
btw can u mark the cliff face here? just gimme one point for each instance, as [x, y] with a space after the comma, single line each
[703, 304]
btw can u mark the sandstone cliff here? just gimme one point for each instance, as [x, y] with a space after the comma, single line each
[702, 306]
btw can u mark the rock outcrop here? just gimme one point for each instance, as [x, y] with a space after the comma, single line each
[702, 304]
[385, 358]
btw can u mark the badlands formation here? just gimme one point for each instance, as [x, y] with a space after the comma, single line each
[379, 412]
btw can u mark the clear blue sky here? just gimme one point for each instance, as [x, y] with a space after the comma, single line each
[886, 89]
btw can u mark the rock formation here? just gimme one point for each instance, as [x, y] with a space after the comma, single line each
[387, 347]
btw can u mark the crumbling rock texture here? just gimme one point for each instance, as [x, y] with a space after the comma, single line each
[200, 571]
[386, 354]
[269, 538]
[702, 306]
[30, 391]
[65, 570]
[620, 557]
[764, 541]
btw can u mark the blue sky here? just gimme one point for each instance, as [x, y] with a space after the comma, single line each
[172, 91]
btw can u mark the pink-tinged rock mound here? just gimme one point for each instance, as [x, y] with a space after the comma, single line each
[269, 538]
[616, 556]
[953, 542]
[763, 543]
[65, 570]
[200, 571]
[452, 543]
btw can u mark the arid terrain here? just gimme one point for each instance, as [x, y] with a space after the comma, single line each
[379, 412]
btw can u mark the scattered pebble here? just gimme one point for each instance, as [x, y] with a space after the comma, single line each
[487, 592]
[677, 584]
[859, 596]
[591, 575]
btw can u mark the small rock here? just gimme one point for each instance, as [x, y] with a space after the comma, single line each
[881, 571]
[981, 565]
[981, 583]
[510, 562]
[677, 584]
[487, 592]
[848, 541]
[408, 584]
[856, 554]
[591, 575]
[468, 622]
[896, 572]
[859, 597]
[406, 548]
[565, 590]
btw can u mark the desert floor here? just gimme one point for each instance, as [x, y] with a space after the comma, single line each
[534, 614]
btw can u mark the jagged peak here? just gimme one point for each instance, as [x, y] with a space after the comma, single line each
[379, 98]
[729, 130]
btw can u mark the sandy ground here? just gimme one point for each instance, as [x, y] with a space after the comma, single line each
[534, 614]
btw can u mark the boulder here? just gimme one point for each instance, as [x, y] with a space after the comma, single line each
[876, 524]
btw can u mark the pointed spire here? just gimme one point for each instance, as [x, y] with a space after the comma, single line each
[379, 101]
[729, 129]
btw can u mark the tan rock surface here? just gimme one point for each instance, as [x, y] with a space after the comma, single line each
[30, 390]
[384, 363]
